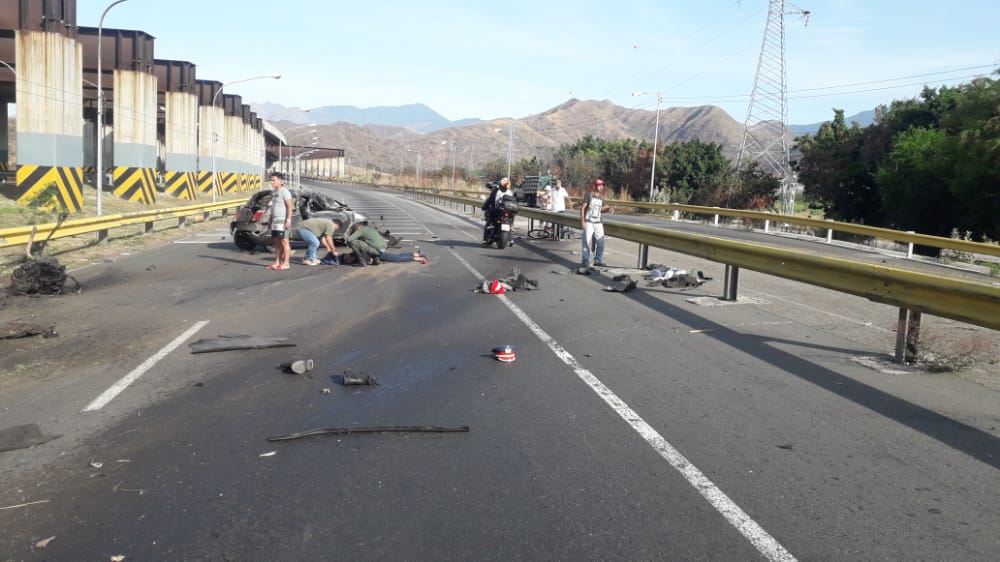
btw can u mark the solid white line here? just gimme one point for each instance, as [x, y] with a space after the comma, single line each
[116, 389]
[764, 542]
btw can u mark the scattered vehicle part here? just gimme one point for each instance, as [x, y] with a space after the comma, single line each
[299, 367]
[377, 429]
[45, 542]
[231, 343]
[505, 353]
[355, 379]
[622, 284]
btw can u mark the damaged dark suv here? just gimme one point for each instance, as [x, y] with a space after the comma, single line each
[252, 226]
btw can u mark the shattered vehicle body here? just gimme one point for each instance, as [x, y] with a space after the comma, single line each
[252, 225]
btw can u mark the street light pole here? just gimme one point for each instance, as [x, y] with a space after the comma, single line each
[289, 144]
[656, 135]
[215, 97]
[100, 106]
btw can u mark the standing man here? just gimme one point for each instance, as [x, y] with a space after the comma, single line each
[366, 243]
[592, 225]
[281, 221]
[315, 230]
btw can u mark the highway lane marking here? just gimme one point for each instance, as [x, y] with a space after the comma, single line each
[117, 388]
[753, 532]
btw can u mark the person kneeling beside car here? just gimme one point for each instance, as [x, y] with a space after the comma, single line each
[314, 231]
[366, 243]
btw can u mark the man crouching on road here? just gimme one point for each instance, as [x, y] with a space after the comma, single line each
[366, 243]
[314, 231]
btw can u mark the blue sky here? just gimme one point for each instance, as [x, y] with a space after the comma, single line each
[516, 58]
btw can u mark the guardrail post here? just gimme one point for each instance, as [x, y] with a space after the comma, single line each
[676, 216]
[909, 247]
[829, 235]
[643, 256]
[732, 282]
[102, 236]
[715, 222]
[148, 227]
[907, 335]
[205, 216]
[767, 226]
[181, 222]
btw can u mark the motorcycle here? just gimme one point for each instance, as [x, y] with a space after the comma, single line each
[500, 230]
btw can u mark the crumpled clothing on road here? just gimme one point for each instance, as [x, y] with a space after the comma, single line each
[515, 281]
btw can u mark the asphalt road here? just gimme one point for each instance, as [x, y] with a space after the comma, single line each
[641, 426]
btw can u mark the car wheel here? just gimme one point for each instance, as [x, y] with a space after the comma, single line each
[244, 241]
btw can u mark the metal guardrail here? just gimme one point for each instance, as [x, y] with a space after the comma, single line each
[966, 301]
[830, 226]
[20, 235]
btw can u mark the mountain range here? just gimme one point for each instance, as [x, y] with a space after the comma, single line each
[411, 136]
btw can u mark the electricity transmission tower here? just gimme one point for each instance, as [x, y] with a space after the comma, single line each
[765, 137]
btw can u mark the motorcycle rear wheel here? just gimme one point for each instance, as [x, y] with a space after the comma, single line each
[503, 239]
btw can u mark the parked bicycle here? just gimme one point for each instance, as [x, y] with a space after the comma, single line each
[554, 232]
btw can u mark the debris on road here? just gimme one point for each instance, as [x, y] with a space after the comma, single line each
[118, 558]
[19, 329]
[268, 454]
[22, 437]
[23, 504]
[356, 379]
[622, 284]
[299, 367]
[95, 464]
[672, 277]
[326, 391]
[505, 353]
[44, 542]
[514, 281]
[377, 429]
[235, 342]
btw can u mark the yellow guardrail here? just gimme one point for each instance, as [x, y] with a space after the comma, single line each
[863, 230]
[20, 235]
[966, 301]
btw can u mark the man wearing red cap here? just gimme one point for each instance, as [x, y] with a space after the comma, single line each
[590, 222]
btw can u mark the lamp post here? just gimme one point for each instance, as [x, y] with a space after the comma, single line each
[656, 134]
[100, 105]
[451, 148]
[280, 142]
[290, 137]
[510, 146]
[214, 99]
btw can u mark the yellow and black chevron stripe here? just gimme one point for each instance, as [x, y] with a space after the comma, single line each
[4, 167]
[180, 185]
[35, 181]
[135, 184]
[228, 182]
